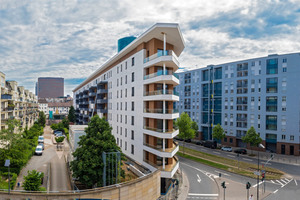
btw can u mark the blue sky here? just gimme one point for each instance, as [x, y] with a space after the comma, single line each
[72, 38]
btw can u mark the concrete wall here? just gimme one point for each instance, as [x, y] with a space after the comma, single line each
[147, 187]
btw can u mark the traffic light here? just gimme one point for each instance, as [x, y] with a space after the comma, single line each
[263, 176]
[223, 184]
[248, 185]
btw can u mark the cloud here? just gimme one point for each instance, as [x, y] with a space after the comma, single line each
[71, 39]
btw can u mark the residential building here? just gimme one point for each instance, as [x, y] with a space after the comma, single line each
[134, 91]
[259, 92]
[50, 87]
[16, 103]
[75, 131]
[59, 110]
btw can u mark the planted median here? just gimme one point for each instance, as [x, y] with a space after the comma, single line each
[230, 165]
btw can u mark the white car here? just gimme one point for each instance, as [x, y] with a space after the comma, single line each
[38, 150]
[41, 139]
[229, 149]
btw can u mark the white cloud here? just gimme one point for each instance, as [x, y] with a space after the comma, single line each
[71, 39]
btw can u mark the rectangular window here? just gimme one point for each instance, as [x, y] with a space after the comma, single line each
[132, 120]
[132, 77]
[272, 66]
[125, 146]
[125, 106]
[132, 91]
[126, 65]
[132, 106]
[292, 138]
[126, 129]
[284, 60]
[126, 79]
[132, 149]
[132, 135]
[271, 104]
[271, 122]
[132, 61]
[272, 85]
[283, 137]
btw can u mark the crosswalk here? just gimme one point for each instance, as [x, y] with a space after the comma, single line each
[282, 182]
[202, 196]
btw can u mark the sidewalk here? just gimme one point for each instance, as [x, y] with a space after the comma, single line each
[237, 191]
[184, 189]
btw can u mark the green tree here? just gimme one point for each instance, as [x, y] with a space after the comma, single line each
[42, 119]
[218, 132]
[33, 180]
[88, 164]
[71, 115]
[11, 134]
[196, 128]
[65, 123]
[252, 138]
[184, 124]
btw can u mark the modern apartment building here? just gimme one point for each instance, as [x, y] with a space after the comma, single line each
[260, 92]
[16, 103]
[134, 91]
[50, 87]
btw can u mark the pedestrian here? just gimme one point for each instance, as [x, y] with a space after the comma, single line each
[251, 197]
[18, 184]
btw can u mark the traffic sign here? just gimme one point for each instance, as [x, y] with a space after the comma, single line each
[257, 173]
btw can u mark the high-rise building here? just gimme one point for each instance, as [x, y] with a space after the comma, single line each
[16, 103]
[259, 92]
[134, 91]
[50, 87]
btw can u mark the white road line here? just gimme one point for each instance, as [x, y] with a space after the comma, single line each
[258, 184]
[216, 152]
[275, 191]
[204, 172]
[203, 195]
[295, 182]
[247, 159]
[279, 182]
[266, 163]
[286, 179]
[283, 181]
[231, 156]
[199, 179]
[222, 173]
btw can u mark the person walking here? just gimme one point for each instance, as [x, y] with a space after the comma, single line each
[251, 197]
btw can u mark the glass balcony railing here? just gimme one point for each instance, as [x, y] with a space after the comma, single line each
[159, 54]
[159, 165]
[157, 129]
[160, 92]
[160, 148]
[160, 73]
[161, 111]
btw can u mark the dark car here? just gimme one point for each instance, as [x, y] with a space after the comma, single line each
[199, 143]
[188, 140]
[240, 151]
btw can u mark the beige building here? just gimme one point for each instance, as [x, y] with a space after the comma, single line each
[16, 103]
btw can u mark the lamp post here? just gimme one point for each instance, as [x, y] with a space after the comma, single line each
[261, 146]
[7, 163]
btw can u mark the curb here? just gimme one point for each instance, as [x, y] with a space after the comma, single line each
[184, 189]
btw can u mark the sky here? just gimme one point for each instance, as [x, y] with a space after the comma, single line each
[73, 38]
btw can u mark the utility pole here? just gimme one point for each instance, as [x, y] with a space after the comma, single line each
[224, 186]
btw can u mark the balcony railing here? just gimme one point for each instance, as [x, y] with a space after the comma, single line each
[168, 167]
[160, 92]
[161, 111]
[159, 129]
[101, 100]
[160, 147]
[159, 54]
[160, 73]
[100, 91]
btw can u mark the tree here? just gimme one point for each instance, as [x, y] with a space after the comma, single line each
[71, 115]
[11, 134]
[252, 138]
[42, 119]
[33, 180]
[195, 127]
[88, 165]
[184, 123]
[218, 132]
[65, 123]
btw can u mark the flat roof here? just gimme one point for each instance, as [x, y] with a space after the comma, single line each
[174, 37]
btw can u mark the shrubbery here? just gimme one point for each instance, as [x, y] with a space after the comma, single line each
[62, 126]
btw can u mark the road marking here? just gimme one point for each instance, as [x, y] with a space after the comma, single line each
[280, 183]
[216, 152]
[295, 182]
[283, 181]
[258, 184]
[266, 163]
[202, 171]
[247, 159]
[203, 195]
[231, 156]
[286, 179]
[222, 173]
[275, 191]
[199, 179]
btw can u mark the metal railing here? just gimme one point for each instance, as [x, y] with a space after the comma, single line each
[159, 54]
[160, 73]
[160, 147]
[160, 92]
[159, 129]
[161, 111]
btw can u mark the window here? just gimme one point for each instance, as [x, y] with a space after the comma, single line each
[117, 141]
[125, 106]
[121, 81]
[284, 69]
[126, 65]
[132, 120]
[271, 104]
[125, 146]
[126, 79]
[284, 60]
[125, 119]
[272, 85]
[271, 122]
[126, 129]
[292, 138]
[132, 77]
[132, 149]
[132, 135]
[117, 70]
[132, 61]
[117, 82]
[121, 68]
[132, 91]
[283, 137]
[272, 66]
[132, 106]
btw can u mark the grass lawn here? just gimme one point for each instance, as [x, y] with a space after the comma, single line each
[230, 165]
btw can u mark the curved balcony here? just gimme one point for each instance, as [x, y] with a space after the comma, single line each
[157, 132]
[161, 114]
[167, 95]
[168, 171]
[167, 77]
[159, 151]
[101, 91]
[168, 57]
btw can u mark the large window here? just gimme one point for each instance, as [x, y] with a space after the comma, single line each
[271, 122]
[218, 73]
[205, 75]
[272, 66]
[272, 85]
[271, 104]
[205, 90]
[218, 89]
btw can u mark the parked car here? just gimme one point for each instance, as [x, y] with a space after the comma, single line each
[188, 140]
[229, 149]
[210, 144]
[41, 139]
[58, 133]
[199, 143]
[43, 146]
[240, 151]
[38, 150]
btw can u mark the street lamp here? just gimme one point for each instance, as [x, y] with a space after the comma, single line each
[7, 163]
[260, 146]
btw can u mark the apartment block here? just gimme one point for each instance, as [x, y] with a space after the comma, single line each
[17, 103]
[259, 92]
[134, 91]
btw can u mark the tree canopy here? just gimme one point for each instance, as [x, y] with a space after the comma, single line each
[88, 164]
[218, 132]
[71, 115]
[252, 137]
[33, 180]
[11, 134]
[42, 119]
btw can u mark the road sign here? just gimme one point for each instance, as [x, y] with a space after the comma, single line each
[263, 171]
[257, 173]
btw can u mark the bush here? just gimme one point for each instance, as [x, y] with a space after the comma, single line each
[33, 180]
[13, 179]
[59, 139]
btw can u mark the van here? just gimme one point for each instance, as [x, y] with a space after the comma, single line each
[210, 144]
